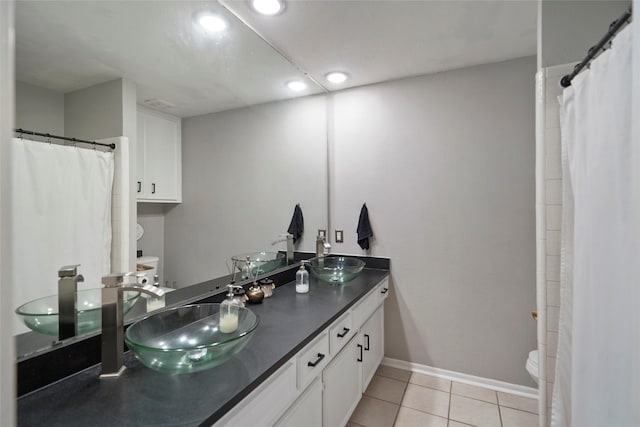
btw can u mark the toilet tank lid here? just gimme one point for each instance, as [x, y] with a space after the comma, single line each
[147, 259]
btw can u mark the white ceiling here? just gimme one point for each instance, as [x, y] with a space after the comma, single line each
[69, 45]
[374, 41]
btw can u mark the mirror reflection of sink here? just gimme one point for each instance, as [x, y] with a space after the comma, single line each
[41, 315]
[259, 262]
[335, 269]
[188, 339]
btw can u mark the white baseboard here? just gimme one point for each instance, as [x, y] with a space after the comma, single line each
[459, 377]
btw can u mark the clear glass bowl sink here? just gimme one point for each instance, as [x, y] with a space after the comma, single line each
[188, 339]
[259, 262]
[41, 315]
[335, 269]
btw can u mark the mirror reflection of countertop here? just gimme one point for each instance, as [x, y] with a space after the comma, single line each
[141, 396]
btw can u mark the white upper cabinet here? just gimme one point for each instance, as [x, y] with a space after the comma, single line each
[159, 164]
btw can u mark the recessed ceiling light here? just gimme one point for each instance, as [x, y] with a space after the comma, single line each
[212, 23]
[267, 7]
[337, 77]
[296, 85]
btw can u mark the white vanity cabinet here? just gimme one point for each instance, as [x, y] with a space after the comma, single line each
[307, 410]
[371, 338]
[342, 385]
[322, 384]
[158, 162]
[349, 373]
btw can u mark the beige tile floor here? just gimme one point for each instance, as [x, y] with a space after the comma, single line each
[398, 398]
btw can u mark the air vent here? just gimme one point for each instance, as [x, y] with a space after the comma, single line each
[158, 104]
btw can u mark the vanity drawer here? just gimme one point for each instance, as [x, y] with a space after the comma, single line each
[365, 308]
[312, 360]
[340, 333]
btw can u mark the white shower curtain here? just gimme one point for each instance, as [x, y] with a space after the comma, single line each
[61, 208]
[595, 383]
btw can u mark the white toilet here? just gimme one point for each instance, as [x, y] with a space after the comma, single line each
[149, 266]
[532, 365]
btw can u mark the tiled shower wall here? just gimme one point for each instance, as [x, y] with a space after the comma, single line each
[553, 219]
[121, 254]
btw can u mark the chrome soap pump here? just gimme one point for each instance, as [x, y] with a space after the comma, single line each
[302, 279]
[229, 311]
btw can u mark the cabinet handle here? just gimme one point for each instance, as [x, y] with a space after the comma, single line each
[139, 186]
[153, 188]
[345, 331]
[384, 291]
[366, 346]
[360, 358]
[320, 356]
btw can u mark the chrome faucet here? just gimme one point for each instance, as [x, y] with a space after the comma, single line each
[68, 279]
[322, 246]
[113, 319]
[289, 239]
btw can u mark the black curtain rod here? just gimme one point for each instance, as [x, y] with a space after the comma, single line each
[48, 135]
[613, 30]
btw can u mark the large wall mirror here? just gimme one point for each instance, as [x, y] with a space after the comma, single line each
[251, 148]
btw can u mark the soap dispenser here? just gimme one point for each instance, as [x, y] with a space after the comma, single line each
[302, 280]
[229, 310]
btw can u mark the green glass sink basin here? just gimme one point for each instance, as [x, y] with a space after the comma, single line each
[335, 269]
[41, 315]
[188, 339]
[259, 262]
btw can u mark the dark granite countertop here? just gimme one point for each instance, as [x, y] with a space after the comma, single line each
[143, 397]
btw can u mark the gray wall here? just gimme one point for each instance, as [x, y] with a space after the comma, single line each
[95, 112]
[445, 163]
[39, 109]
[243, 173]
[569, 28]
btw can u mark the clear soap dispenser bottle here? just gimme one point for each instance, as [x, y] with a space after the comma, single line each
[302, 280]
[229, 310]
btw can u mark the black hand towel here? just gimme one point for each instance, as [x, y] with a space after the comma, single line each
[364, 228]
[297, 224]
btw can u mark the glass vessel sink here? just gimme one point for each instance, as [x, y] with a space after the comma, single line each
[188, 339]
[335, 269]
[41, 315]
[259, 262]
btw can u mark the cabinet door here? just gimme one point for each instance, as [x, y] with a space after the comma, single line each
[372, 341]
[342, 385]
[140, 156]
[161, 158]
[307, 410]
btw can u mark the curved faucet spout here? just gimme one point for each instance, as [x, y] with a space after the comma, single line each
[148, 289]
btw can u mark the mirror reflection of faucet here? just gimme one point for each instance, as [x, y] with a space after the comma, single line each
[286, 237]
[322, 246]
[68, 279]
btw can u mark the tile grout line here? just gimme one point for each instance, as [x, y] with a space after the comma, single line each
[449, 408]
[499, 410]
[406, 384]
